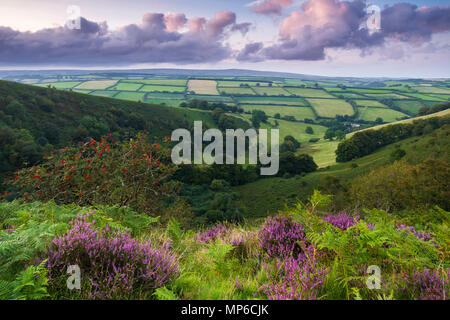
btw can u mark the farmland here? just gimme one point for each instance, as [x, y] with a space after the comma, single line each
[329, 108]
[203, 86]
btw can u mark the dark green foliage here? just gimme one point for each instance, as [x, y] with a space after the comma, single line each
[367, 141]
[291, 164]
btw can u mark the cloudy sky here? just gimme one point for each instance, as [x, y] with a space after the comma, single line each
[322, 37]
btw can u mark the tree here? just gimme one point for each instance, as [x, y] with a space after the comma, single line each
[340, 135]
[296, 164]
[329, 134]
[258, 116]
[277, 116]
[309, 130]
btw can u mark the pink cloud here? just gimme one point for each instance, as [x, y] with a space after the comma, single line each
[174, 21]
[269, 7]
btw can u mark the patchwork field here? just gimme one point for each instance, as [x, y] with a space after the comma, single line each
[62, 85]
[133, 96]
[423, 89]
[386, 96]
[104, 93]
[272, 100]
[239, 91]
[329, 108]
[271, 91]
[96, 84]
[388, 115]
[311, 93]
[239, 83]
[166, 82]
[203, 86]
[369, 103]
[409, 105]
[424, 97]
[299, 113]
[156, 88]
[124, 86]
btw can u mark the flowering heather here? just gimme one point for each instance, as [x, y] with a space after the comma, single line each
[419, 234]
[212, 234]
[112, 263]
[429, 285]
[341, 220]
[298, 278]
[279, 237]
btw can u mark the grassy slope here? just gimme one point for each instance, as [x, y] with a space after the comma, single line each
[267, 196]
[68, 111]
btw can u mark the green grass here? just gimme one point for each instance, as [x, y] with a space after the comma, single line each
[133, 96]
[97, 84]
[299, 113]
[329, 108]
[238, 83]
[409, 105]
[313, 93]
[271, 91]
[323, 152]
[386, 96]
[168, 96]
[270, 195]
[167, 102]
[424, 97]
[104, 93]
[296, 129]
[123, 86]
[388, 115]
[63, 85]
[369, 103]
[211, 98]
[272, 100]
[231, 91]
[424, 89]
[156, 88]
[167, 82]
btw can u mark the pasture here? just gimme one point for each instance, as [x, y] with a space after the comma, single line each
[388, 115]
[238, 91]
[270, 91]
[272, 100]
[157, 88]
[96, 84]
[369, 103]
[203, 86]
[310, 93]
[299, 113]
[329, 108]
[133, 96]
[124, 86]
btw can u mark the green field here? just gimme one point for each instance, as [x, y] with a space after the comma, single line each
[272, 100]
[133, 96]
[329, 108]
[167, 82]
[409, 105]
[386, 96]
[312, 93]
[299, 113]
[238, 83]
[424, 89]
[168, 96]
[240, 91]
[124, 86]
[104, 93]
[211, 98]
[270, 91]
[369, 103]
[61, 85]
[156, 88]
[167, 102]
[388, 115]
[425, 97]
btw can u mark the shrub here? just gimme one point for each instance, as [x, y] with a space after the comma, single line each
[341, 220]
[132, 174]
[212, 234]
[113, 264]
[279, 237]
[300, 278]
[427, 285]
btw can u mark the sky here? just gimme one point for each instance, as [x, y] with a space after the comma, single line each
[319, 37]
